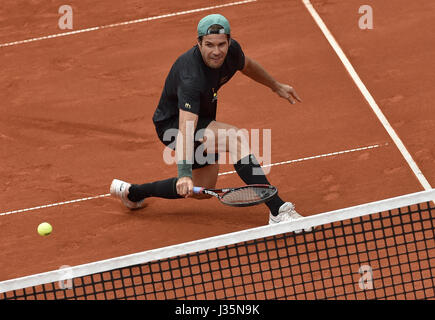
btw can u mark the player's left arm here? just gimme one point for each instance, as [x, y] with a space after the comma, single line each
[256, 72]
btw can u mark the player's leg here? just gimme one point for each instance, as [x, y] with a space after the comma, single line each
[203, 174]
[224, 137]
[133, 195]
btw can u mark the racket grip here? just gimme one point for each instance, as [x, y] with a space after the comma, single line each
[197, 190]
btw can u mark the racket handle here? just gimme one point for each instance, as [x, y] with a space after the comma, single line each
[197, 190]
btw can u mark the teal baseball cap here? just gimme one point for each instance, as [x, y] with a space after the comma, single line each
[206, 22]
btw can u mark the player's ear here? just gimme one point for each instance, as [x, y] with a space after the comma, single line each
[229, 41]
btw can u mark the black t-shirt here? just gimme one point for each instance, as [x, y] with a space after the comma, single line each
[192, 86]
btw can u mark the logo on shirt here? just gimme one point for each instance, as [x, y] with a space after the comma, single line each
[187, 105]
[214, 96]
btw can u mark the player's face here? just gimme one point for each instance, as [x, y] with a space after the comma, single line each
[214, 49]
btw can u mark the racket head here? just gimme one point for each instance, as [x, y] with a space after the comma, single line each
[249, 195]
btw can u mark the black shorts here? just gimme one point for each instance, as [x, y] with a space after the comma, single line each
[169, 140]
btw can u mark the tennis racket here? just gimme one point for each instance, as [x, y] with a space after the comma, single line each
[245, 196]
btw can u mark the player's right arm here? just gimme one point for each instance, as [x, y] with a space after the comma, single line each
[184, 152]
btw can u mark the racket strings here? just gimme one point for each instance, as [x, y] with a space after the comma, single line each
[248, 195]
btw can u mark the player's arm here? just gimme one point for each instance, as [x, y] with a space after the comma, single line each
[256, 72]
[184, 152]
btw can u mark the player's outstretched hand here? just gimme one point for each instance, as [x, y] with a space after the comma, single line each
[288, 93]
[185, 187]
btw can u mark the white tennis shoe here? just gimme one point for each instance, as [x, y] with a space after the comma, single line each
[120, 189]
[286, 213]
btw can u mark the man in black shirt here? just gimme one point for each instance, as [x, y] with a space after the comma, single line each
[185, 120]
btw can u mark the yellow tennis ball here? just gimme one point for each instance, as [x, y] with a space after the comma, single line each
[44, 229]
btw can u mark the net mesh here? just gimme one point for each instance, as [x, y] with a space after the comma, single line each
[384, 255]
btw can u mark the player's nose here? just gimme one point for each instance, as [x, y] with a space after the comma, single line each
[216, 51]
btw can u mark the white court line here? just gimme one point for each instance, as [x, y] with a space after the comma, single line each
[314, 157]
[414, 167]
[220, 174]
[54, 204]
[64, 34]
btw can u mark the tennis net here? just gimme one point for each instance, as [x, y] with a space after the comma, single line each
[379, 250]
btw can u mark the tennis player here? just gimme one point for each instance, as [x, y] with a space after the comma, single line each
[188, 104]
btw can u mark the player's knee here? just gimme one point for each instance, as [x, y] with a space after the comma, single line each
[238, 140]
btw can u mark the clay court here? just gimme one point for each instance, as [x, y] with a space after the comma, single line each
[76, 113]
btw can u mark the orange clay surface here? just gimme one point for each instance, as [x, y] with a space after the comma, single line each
[76, 113]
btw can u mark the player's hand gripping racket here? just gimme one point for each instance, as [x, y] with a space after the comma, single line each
[249, 195]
